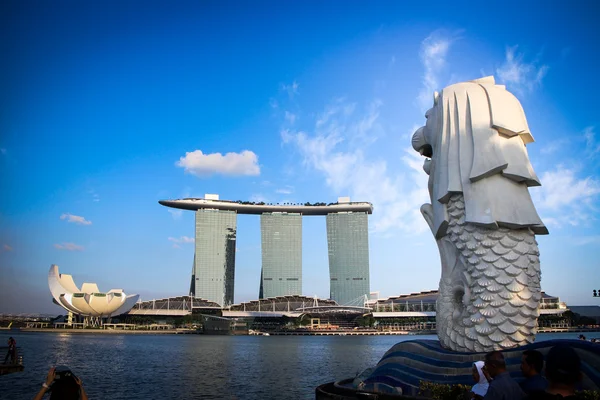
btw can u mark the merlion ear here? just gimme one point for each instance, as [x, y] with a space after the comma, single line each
[507, 115]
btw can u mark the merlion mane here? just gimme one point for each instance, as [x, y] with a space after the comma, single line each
[482, 216]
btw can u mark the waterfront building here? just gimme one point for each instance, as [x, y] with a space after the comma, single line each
[87, 303]
[418, 311]
[407, 312]
[214, 258]
[213, 268]
[348, 247]
[281, 242]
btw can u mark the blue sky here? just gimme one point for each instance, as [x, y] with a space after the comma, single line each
[107, 108]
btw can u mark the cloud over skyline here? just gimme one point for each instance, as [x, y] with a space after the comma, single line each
[181, 239]
[95, 196]
[232, 164]
[69, 246]
[564, 199]
[76, 219]
[334, 149]
[433, 53]
[176, 214]
[285, 190]
[592, 144]
[291, 89]
[519, 75]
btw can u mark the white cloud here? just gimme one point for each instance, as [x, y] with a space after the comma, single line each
[291, 89]
[176, 214]
[337, 149]
[585, 240]
[564, 199]
[332, 151]
[339, 108]
[5, 248]
[285, 190]
[233, 164]
[186, 192]
[289, 117]
[182, 239]
[519, 75]
[592, 146]
[434, 50]
[562, 188]
[368, 129]
[95, 196]
[68, 246]
[76, 219]
[554, 146]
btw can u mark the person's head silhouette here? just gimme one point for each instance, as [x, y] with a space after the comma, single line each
[563, 370]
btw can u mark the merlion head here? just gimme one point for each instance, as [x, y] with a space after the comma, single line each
[474, 139]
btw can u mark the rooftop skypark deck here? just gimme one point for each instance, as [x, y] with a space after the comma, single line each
[248, 207]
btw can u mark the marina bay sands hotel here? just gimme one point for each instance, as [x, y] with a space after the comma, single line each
[281, 236]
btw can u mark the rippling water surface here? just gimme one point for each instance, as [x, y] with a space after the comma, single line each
[136, 367]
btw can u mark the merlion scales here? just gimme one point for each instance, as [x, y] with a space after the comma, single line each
[482, 216]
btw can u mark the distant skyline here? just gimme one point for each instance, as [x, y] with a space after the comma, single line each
[108, 107]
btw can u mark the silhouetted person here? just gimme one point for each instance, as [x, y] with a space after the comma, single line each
[62, 384]
[532, 363]
[502, 386]
[481, 383]
[563, 371]
[12, 351]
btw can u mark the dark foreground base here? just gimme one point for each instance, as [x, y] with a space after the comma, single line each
[10, 368]
[403, 366]
[343, 390]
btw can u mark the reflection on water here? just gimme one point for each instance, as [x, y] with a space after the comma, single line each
[136, 367]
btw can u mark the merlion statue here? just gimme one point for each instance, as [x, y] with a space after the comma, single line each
[482, 216]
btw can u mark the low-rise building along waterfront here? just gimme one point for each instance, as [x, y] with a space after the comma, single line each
[409, 312]
[88, 303]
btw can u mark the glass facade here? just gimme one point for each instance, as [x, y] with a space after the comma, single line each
[281, 237]
[348, 245]
[214, 259]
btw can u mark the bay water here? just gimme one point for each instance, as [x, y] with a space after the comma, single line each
[140, 367]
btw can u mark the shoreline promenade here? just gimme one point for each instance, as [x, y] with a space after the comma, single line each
[183, 331]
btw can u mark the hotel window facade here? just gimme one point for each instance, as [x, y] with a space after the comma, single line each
[348, 246]
[281, 239]
[214, 259]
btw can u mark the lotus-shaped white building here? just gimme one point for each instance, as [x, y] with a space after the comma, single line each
[89, 301]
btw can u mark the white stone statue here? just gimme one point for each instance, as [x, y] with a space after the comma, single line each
[482, 216]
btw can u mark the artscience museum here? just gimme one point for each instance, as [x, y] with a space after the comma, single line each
[88, 302]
